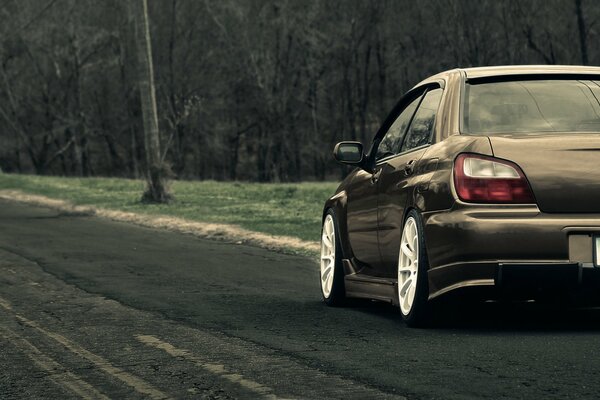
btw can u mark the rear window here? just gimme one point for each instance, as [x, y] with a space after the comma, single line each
[532, 106]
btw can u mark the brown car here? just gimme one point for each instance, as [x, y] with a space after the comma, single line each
[480, 178]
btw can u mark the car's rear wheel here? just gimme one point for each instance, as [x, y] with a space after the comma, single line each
[332, 275]
[412, 273]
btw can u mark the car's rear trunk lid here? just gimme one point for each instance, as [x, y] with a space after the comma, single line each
[563, 169]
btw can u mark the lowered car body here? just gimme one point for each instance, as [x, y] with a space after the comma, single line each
[482, 178]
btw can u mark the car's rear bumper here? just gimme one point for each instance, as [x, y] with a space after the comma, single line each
[515, 279]
[509, 247]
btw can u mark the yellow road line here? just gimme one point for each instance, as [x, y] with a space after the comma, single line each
[56, 372]
[134, 382]
[215, 368]
[5, 304]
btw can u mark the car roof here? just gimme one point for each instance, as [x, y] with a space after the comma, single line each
[508, 70]
[504, 70]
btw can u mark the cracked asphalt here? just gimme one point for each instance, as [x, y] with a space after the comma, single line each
[91, 308]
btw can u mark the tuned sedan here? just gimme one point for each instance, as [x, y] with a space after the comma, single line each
[481, 180]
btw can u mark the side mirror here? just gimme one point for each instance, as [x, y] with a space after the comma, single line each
[348, 153]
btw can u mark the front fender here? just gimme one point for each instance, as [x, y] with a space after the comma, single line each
[338, 203]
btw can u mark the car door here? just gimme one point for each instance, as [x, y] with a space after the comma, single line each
[361, 213]
[397, 177]
[362, 193]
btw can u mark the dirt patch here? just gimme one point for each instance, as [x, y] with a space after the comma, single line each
[231, 233]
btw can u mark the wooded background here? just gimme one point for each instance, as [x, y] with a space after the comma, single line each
[247, 89]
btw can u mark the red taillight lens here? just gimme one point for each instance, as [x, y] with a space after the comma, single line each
[481, 179]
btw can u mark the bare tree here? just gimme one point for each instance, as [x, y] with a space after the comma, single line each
[157, 171]
[582, 31]
[248, 90]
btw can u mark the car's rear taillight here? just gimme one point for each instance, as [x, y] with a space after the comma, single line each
[482, 179]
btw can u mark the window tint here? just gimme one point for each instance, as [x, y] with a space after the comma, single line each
[421, 128]
[532, 106]
[391, 142]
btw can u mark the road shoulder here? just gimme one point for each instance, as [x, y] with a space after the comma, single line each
[205, 230]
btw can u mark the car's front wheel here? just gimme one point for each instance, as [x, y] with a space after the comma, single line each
[332, 275]
[413, 287]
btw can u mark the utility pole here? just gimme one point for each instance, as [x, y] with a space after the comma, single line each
[156, 171]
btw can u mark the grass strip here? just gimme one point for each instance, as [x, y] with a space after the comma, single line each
[282, 209]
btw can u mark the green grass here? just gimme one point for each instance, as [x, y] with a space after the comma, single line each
[292, 209]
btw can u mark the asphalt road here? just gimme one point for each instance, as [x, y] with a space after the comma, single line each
[98, 309]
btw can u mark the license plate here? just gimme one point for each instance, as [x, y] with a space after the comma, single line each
[597, 251]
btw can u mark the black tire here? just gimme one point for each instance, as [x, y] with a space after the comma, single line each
[337, 295]
[420, 314]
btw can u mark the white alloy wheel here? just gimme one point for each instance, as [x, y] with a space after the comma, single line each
[408, 265]
[327, 256]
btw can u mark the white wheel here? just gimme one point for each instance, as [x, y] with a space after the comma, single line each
[327, 256]
[408, 266]
[332, 273]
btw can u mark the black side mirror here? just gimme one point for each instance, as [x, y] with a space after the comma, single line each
[349, 153]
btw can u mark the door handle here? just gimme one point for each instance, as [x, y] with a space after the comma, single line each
[375, 176]
[409, 168]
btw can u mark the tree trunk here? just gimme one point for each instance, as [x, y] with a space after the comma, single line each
[156, 191]
[582, 32]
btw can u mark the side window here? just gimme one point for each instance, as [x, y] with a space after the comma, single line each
[421, 129]
[391, 142]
